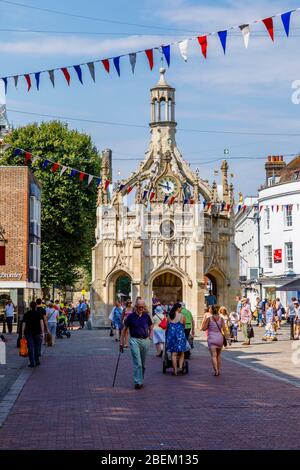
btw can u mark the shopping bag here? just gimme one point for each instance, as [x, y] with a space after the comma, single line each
[23, 348]
[250, 332]
[49, 340]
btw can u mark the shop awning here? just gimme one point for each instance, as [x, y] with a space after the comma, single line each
[290, 286]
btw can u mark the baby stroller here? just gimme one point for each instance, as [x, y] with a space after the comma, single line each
[167, 360]
[62, 330]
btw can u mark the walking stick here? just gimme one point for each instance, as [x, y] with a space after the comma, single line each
[117, 366]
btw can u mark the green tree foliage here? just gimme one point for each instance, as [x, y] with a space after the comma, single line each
[68, 205]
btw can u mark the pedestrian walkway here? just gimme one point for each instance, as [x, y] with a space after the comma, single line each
[10, 371]
[69, 403]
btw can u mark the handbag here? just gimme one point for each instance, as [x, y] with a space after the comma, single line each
[250, 331]
[163, 324]
[224, 337]
[49, 340]
[23, 348]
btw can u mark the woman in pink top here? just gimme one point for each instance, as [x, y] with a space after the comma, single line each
[214, 325]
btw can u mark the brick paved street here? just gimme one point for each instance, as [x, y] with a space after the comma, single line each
[68, 403]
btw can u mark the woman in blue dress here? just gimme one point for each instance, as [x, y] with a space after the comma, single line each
[175, 338]
[117, 320]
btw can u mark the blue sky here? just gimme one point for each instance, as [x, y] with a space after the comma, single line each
[244, 91]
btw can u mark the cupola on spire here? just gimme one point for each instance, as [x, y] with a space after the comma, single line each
[162, 103]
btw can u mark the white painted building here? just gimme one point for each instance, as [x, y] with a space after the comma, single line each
[268, 233]
[280, 228]
[247, 226]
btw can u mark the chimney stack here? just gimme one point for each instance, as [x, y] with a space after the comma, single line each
[274, 166]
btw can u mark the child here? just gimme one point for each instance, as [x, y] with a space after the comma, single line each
[270, 332]
[234, 320]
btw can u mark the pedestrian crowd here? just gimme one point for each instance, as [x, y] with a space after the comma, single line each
[44, 322]
[171, 328]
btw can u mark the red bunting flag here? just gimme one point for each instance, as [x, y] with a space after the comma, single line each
[81, 176]
[261, 208]
[55, 167]
[149, 54]
[244, 208]
[105, 62]
[66, 74]
[152, 195]
[106, 184]
[28, 156]
[277, 208]
[203, 43]
[208, 205]
[28, 80]
[172, 200]
[228, 207]
[129, 189]
[268, 22]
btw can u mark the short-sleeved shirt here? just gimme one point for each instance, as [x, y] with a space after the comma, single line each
[292, 311]
[138, 325]
[42, 312]
[188, 318]
[32, 320]
[9, 310]
[211, 300]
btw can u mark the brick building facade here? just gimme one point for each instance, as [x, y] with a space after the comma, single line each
[20, 234]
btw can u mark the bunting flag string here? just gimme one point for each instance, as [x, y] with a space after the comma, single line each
[72, 172]
[221, 206]
[182, 45]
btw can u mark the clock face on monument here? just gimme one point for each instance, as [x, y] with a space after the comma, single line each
[167, 186]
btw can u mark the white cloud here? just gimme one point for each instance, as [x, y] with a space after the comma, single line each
[78, 46]
[208, 15]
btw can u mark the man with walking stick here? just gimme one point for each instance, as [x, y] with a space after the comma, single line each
[140, 328]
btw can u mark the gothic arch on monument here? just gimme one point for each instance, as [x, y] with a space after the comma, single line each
[114, 286]
[167, 286]
[218, 285]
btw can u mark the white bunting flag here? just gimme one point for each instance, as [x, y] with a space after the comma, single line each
[16, 78]
[63, 170]
[245, 28]
[183, 47]
[91, 67]
[132, 60]
[51, 76]
[90, 179]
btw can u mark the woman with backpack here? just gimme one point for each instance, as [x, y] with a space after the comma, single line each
[159, 334]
